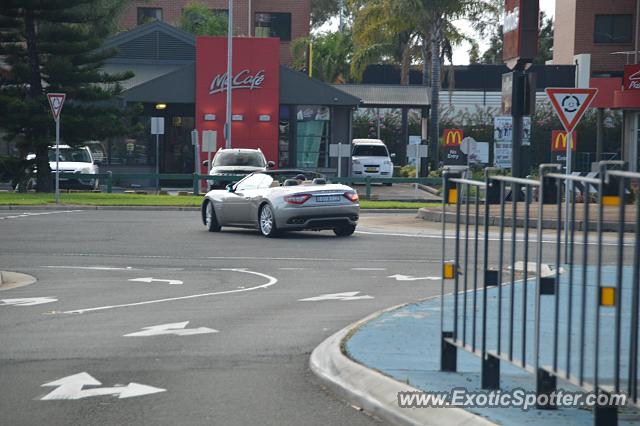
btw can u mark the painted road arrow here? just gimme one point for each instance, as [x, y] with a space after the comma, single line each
[71, 387]
[27, 301]
[351, 295]
[399, 277]
[150, 280]
[177, 328]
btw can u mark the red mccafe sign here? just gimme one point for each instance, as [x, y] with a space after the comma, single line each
[520, 27]
[255, 83]
[632, 77]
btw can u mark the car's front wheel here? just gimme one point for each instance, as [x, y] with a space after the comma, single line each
[210, 220]
[344, 230]
[267, 222]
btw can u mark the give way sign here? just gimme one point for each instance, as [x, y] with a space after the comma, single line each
[570, 104]
[55, 102]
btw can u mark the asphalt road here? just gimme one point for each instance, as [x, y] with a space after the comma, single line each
[246, 359]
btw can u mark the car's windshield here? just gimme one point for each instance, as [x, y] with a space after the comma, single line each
[370, 151]
[237, 158]
[78, 155]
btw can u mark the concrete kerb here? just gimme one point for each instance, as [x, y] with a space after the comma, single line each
[436, 216]
[9, 280]
[374, 392]
[158, 208]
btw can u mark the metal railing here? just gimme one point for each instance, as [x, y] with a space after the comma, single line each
[108, 178]
[574, 319]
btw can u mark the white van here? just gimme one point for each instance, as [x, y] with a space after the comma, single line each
[370, 157]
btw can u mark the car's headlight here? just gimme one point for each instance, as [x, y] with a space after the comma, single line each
[356, 161]
[388, 163]
[86, 170]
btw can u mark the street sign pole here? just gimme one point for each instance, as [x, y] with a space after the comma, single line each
[56, 100]
[58, 161]
[157, 164]
[339, 159]
[570, 104]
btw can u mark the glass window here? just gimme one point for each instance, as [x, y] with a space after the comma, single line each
[312, 136]
[612, 29]
[239, 158]
[273, 25]
[251, 182]
[149, 14]
[370, 151]
[76, 155]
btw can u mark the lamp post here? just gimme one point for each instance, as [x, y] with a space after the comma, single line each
[227, 124]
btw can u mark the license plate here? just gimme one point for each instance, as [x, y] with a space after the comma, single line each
[327, 198]
[371, 170]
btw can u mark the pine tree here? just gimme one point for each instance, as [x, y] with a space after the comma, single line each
[55, 46]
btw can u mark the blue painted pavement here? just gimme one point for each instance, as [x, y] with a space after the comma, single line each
[405, 343]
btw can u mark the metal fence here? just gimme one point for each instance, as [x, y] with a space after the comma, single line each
[107, 179]
[571, 316]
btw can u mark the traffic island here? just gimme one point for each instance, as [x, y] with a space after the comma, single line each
[9, 280]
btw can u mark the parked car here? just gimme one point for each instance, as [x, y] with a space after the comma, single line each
[282, 200]
[370, 157]
[235, 162]
[73, 160]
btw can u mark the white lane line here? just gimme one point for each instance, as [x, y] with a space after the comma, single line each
[19, 215]
[532, 239]
[94, 268]
[368, 269]
[291, 269]
[272, 281]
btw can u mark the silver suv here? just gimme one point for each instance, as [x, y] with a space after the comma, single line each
[236, 162]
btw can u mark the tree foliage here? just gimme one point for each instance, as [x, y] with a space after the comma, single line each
[331, 52]
[55, 46]
[198, 19]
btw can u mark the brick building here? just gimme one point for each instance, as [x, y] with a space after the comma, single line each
[286, 19]
[597, 27]
[603, 38]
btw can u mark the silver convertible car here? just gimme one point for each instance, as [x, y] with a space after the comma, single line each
[282, 200]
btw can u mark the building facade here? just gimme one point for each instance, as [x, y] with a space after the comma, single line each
[283, 19]
[603, 39]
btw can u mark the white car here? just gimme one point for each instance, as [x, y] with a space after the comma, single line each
[73, 160]
[235, 162]
[370, 157]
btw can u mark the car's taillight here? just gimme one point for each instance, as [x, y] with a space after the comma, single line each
[351, 196]
[297, 199]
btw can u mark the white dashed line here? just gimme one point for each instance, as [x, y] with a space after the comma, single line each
[17, 216]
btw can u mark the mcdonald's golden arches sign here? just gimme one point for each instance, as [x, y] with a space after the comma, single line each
[452, 137]
[559, 141]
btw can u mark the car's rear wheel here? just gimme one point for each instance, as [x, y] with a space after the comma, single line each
[267, 222]
[210, 220]
[344, 230]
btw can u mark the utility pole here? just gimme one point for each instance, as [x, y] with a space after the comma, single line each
[227, 124]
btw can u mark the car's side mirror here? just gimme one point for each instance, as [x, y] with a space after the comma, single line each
[230, 188]
[205, 163]
[393, 155]
[270, 164]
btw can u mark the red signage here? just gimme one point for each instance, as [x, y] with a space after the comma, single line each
[452, 137]
[631, 77]
[255, 83]
[559, 141]
[520, 26]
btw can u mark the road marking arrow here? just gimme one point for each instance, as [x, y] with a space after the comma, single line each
[71, 387]
[150, 280]
[399, 277]
[350, 295]
[27, 301]
[177, 328]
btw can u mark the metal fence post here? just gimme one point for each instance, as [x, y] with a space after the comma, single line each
[368, 188]
[196, 184]
[109, 182]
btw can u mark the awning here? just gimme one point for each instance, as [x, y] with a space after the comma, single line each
[387, 95]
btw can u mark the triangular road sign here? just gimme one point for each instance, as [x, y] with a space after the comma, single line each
[570, 104]
[55, 102]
